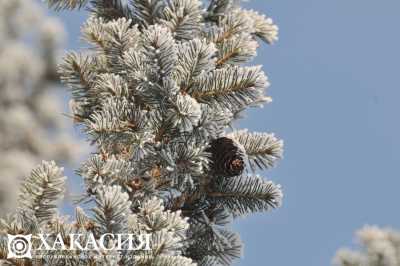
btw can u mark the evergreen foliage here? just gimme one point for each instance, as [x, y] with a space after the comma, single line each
[163, 80]
[32, 128]
[379, 247]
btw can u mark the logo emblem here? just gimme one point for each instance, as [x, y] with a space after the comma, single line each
[19, 246]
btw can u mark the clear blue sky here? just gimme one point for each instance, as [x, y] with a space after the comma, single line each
[335, 83]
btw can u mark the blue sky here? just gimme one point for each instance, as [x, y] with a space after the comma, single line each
[335, 83]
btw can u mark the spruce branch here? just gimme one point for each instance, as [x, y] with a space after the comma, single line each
[183, 18]
[215, 246]
[231, 25]
[30, 103]
[164, 260]
[154, 215]
[146, 12]
[121, 37]
[196, 57]
[107, 9]
[112, 209]
[345, 257]
[236, 50]
[208, 261]
[263, 149]
[218, 8]
[233, 87]
[246, 194]
[76, 73]
[66, 4]
[103, 123]
[162, 85]
[212, 122]
[42, 190]
[378, 246]
[168, 232]
[113, 37]
[111, 85]
[118, 123]
[185, 160]
[82, 220]
[230, 248]
[186, 114]
[99, 171]
[110, 9]
[263, 26]
[160, 49]
[136, 68]
[94, 33]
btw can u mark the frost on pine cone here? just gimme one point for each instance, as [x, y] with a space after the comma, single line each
[157, 95]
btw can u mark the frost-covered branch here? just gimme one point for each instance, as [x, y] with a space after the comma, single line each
[32, 126]
[156, 95]
[379, 246]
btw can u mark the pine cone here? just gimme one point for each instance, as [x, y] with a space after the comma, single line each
[227, 157]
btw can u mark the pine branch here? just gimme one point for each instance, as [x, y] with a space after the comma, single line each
[243, 195]
[93, 32]
[218, 8]
[136, 66]
[345, 257]
[215, 246]
[164, 260]
[196, 57]
[146, 12]
[66, 4]
[168, 231]
[22, 221]
[213, 122]
[121, 37]
[231, 25]
[264, 27]
[231, 247]
[233, 87]
[111, 86]
[103, 124]
[107, 9]
[379, 246]
[82, 220]
[110, 9]
[99, 171]
[183, 18]
[160, 49]
[185, 160]
[117, 123]
[113, 39]
[140, 75]
[112, 210]
[208, 261]
[76, 72]
[186, 113]
[263, 149]
[153, 214]
[152, 97]
[42, 190]
[236, 50]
